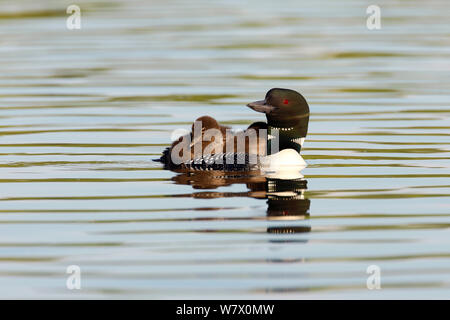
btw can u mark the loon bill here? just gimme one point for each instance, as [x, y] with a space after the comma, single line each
[267, 146]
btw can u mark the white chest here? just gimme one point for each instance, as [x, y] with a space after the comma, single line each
[287, 163]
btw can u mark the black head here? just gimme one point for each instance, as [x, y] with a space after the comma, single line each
[284, 108]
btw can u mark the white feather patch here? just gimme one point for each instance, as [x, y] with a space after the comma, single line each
[299, 141]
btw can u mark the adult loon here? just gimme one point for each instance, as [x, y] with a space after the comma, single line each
[287, 114]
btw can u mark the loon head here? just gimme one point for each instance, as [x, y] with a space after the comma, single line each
[204, 123]
[287, 112]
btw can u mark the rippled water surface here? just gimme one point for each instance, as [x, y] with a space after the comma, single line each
[83, 113]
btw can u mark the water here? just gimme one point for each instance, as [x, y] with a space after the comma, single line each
[83, 112]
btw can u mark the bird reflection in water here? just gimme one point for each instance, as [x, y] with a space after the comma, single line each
[285, 197]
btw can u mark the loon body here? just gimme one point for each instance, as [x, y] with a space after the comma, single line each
[209, 146]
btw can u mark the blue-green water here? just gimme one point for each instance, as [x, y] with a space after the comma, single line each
[83, 112]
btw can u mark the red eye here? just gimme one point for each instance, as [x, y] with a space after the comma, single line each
[285, 101]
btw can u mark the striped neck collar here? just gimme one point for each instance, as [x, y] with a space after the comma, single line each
[288, 138]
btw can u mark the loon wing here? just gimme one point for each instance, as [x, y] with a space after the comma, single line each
[220, 162]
